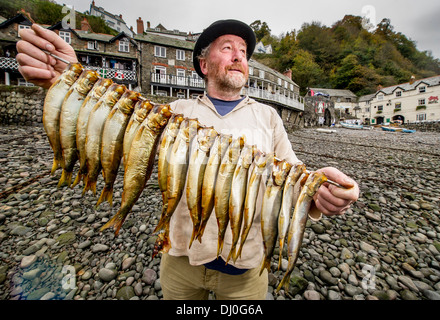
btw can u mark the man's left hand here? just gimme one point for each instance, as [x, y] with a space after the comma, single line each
[332, 200]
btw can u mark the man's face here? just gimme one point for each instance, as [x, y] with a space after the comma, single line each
[226, 64]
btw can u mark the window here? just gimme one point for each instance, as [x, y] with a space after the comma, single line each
[380, 97]
[251, 71]
[92, 45]
[160, 51]
[65, 36]
[180, 55]
[261, 74]
[21, 27]
[180, 72]
[380, 108]
[422, 102]
[421, 117]
[398, 106]
[124, 45]
[398, 93]
[422, 89]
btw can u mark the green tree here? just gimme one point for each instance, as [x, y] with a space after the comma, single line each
[261, 29]
[305, 71]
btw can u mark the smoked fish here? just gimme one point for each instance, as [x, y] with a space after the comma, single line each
[91, 100]
[238, 195]
[223, 188]
[216, 154]
[95, 125]
[52, 109]
[261, 163]
[140, 162]
[288, 204]
[68, 120]
[197, 165]
[113, 140]
[298, 222]
[271, 208]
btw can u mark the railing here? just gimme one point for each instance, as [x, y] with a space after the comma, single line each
[169, 79]
[8, 63]
[110, 73]
[296, 102]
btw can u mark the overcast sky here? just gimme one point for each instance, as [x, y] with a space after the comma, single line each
[417, 19]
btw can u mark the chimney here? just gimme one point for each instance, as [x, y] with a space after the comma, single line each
[85, 26]
[148, 25]
[140, 26]
[288, 73]
[411, 81]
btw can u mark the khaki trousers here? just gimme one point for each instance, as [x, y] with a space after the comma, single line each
[182, 281]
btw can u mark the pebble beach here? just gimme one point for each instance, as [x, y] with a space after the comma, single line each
[386, 247]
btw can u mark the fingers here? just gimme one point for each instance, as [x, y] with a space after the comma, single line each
[29, 54]
[54, 43]
[337, 176]
[29, 35]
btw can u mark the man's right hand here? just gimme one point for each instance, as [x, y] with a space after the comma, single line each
[35, 65]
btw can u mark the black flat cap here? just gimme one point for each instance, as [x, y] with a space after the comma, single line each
[220, 28]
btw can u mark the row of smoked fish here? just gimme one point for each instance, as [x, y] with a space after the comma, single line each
[101, 124]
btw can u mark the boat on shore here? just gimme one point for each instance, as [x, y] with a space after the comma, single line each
[397, 129]
[351, 126]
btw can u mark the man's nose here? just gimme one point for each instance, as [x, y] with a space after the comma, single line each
[237, 55]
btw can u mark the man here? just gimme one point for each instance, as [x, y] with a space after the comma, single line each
[221, 57]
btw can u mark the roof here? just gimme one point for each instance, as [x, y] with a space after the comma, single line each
[19, 18]
[102, 10]
[367, 97]
[432, 81]
[166, 41]
[335, 92]
[259, 65]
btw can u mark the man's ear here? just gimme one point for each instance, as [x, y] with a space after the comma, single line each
[203, 66]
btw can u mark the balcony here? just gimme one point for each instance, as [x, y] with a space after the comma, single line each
[172, 80]
[296, 102]
[8, 63]
[111, 73]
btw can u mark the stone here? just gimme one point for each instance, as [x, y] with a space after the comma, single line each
[28, 261]
[107, 275]
[149, 276]
[125, 293]
[312, 295]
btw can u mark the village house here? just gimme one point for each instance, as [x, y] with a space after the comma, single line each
[345, 101]
[112, 20]
[151, 63]
[413, 101]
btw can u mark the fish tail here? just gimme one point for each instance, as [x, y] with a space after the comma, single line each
[265, 265]
[163, 219]
[116, 221]
[89, 185]
[232, 254]
[56, 164]
[193, 236]
[284, 282]
[106, 195]
[79, 177]
[281, 253]
[219, 245]
[66, 179]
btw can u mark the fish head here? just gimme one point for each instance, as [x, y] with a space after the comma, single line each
[114, 93]
[174, 124]
[128, 100]
[314, 181]
[86, 81]
[206, 137]
[280, 171]
[72, 72]
[142, 109]
[158, 117]
[224, 141]
[194, 126]
[101, 87]
[248, 153]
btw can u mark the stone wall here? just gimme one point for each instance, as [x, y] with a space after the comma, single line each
[21, 105]
[424, 126]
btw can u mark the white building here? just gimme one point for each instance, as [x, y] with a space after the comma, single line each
[113, 21]
[345, 100]
[414, 101]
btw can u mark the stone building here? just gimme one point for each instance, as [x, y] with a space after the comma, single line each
[345, 101]
[112, 20]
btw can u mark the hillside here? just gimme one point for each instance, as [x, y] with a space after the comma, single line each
[49, 13]
[346, 56]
